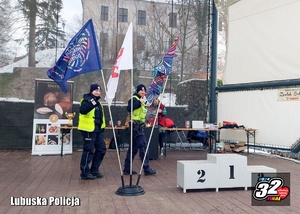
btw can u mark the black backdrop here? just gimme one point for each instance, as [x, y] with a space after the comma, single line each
[16, 123]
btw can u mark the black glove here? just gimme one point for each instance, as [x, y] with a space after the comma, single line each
[102, 130]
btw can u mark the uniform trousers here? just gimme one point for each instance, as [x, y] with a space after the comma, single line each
[94, 150]
[139, 142]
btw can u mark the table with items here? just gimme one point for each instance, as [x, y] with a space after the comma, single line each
[250, 133]
[213, 135]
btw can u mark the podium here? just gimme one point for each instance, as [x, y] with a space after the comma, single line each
[218, 171]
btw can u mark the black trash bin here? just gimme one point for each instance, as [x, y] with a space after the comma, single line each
[153, 147]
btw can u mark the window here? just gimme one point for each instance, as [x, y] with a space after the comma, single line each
[123, 15]
[172, 19]
[140, 44]
[141, 17]
[104, 13]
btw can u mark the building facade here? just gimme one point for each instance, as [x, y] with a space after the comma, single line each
[155, 26]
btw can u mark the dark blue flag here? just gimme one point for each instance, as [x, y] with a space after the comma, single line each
[80, 56]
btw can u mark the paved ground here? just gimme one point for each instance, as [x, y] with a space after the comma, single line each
[23, 176]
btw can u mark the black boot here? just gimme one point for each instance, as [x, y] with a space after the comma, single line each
[88, 177]
[150, 171]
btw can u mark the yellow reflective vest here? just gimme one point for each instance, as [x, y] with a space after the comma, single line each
[87, 121]
[139, 114]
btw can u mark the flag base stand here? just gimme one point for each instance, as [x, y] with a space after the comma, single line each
[130, 190]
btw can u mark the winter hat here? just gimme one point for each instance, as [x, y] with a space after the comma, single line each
[94, 87]
[140, 87]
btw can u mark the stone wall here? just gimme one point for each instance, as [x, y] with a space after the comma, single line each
[21, 83]
[194, 94]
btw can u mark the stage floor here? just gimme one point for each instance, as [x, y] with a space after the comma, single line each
[54, 177]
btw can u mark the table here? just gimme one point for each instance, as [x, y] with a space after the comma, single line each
[250, 132]
[120, 133]
[215, 131]
[116, 127]
[66, 129]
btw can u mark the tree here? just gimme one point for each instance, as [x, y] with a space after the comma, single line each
[200, 14]
[188, 19]
[187, 32]
[29, 9]
[48, 31]
[6, 29]
[222, 6]
[41, 17]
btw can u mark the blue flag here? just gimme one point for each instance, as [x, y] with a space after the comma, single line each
[80, 56]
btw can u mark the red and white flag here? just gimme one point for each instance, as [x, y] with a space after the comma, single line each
[124, 61]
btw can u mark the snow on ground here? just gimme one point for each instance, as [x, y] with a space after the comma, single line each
[46, 59]
[15, 100]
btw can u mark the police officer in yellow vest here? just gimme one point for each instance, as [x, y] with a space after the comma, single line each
[91, 124]
[139, 141]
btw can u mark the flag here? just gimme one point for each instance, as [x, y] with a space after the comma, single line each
[124, 61]
[160, 73]
[80, 56]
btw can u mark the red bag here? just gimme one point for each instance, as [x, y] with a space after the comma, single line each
[167, 122]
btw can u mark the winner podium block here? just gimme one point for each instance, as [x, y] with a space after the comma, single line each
[218, 171]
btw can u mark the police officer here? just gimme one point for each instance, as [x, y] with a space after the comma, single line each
[91, 124]
[139, 141]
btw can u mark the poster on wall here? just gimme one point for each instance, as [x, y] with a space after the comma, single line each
[51, 105]
[288, 94]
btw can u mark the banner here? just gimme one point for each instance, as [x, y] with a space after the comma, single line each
[160, 73]
[124, 61]
[50, 108]
[80, 56]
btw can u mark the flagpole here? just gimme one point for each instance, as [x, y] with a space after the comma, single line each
[117, 33]
[113, 128]
[166, 63]
[149, 140]
[129, 190]
[169, 44]
[131, 126]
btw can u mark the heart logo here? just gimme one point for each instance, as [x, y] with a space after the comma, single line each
[283, 192]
